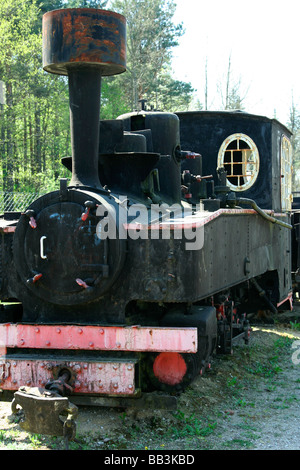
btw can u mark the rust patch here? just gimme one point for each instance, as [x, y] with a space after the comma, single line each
[86, 36]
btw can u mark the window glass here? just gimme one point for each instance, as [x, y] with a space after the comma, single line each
[239, 156]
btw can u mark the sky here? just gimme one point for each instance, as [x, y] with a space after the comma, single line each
[262, 37]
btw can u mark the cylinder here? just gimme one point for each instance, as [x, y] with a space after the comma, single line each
[79, 36]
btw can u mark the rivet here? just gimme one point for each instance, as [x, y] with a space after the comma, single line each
[48, 343]
[100, 367]
[22, 342]
[91, 344]
[58, 330]
[115, 385]
[37, 330]
[118, 345]
[85, 366]
[79, 331]
[14, 364]
[76, 367]
[101, 331]
[115, 367]
[129, 368]
[130, 387]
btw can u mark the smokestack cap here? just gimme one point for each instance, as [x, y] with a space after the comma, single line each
[76, 37]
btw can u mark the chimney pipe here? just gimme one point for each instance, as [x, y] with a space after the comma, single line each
[84, 44]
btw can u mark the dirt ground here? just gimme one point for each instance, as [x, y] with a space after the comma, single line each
[248, 401]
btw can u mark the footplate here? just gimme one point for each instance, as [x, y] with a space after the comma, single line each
[43, 411]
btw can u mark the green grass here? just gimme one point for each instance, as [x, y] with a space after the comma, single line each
[190, 425]
[268, 365]
[238, 444]
[295, 325]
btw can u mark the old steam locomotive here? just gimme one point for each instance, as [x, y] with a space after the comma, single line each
[172, 229]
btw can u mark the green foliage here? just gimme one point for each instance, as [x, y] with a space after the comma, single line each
[34, 105]
[270, 366]
[113, 100]
[191, 426]
[151, 37]
[34, 117]
[87, 4]
[295, 325]
[170, 95]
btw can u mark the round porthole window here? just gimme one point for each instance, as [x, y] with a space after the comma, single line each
[239, 156]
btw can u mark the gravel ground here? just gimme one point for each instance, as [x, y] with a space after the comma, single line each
[270, 415]
[280, 425]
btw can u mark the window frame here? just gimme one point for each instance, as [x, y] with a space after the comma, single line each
[286, 170]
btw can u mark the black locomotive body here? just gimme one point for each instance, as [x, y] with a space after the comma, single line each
[172, 229]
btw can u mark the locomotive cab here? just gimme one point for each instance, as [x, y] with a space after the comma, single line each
[255, 152]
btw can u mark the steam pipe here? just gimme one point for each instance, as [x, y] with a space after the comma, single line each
[263, 294]
[266, 216]
[84, 102]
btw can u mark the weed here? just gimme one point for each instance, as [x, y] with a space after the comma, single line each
[191, 426]
[35, 439]
[243, 403]
[269, 367]
[232, 382]
[123, 417]
[295, 325]
[238, 443]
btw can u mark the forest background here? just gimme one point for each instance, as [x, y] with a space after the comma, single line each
[34, 105]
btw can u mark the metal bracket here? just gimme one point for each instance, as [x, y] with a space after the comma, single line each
[43, 411]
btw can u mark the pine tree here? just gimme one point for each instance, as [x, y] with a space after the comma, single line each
[151, 37]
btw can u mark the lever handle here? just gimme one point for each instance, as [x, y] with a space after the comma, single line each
[42, 253]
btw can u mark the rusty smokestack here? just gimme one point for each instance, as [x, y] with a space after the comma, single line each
[84, 44]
